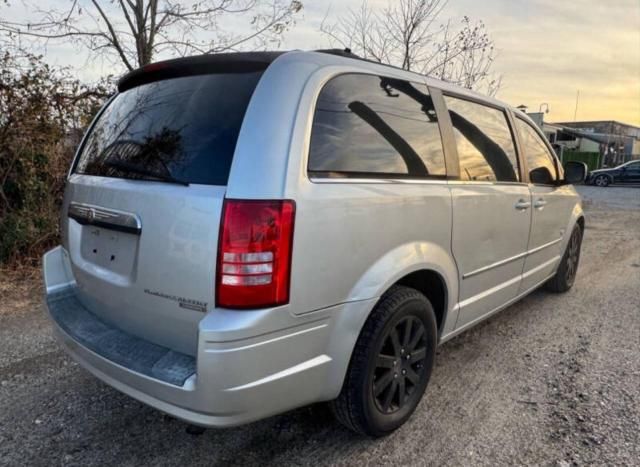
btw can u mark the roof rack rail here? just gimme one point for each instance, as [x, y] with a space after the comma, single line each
[346, 52]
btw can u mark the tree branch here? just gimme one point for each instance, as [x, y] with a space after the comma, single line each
[405, 35]
[114, 36]
[129, 30]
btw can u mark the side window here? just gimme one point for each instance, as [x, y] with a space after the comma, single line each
[540, 162]
[367, 125]
[484, 140]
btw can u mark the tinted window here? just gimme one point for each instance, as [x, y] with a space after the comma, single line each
[185, 128]
[540, 161]
[485, 143]
[368, 125]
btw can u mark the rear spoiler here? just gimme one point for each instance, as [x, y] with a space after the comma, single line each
[237, 62]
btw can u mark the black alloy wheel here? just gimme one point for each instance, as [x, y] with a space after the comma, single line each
[390, 365]
[565, 276]
[573, 256]
[400, 368]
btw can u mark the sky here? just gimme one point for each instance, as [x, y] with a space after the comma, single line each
[547, 51]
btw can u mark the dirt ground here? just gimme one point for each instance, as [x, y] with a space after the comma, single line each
[552, 380]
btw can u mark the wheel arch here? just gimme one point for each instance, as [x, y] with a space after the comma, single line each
[577, 217]
[424, 266]
[432, 285]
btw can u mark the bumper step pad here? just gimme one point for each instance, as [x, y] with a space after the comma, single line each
[118, 346]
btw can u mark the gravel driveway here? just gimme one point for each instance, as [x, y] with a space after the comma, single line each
[552, 380]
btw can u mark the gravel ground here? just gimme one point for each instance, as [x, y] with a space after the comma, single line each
[552, 380]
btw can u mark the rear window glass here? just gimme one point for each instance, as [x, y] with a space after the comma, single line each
[182, 129]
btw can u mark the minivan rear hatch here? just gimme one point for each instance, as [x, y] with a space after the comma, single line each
[144, 199]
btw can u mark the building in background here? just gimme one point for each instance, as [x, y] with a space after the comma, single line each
[601, 143]
[616, 142]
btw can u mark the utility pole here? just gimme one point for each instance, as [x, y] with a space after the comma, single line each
[606, 148]
[575, 112]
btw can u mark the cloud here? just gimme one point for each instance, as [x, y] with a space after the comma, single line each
[547, 50]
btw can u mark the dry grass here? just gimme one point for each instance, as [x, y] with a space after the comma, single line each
[20, 289]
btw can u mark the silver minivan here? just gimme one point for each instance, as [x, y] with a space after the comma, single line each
[247, 233]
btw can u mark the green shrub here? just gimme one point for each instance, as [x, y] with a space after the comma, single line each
[592, 159]
[42, 113]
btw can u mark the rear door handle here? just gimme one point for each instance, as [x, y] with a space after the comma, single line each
[521, 205]
[540, 203]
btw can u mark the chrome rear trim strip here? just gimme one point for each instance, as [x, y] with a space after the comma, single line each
[88, 214]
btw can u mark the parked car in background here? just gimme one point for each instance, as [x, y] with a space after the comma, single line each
[247, 233]
[628, 172]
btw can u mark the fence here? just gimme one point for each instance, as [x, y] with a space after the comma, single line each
[592, 159]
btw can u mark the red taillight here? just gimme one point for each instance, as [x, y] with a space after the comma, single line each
[254, 253]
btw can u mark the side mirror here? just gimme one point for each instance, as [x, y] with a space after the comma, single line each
[575, 172]
[541, 176]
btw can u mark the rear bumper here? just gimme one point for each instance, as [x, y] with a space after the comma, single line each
[249, 364]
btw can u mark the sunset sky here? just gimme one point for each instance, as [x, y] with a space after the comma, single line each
[547, 51]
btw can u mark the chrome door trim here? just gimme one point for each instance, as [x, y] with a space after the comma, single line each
[540, 267]
[470, 324]
[398, 181]
[411, 181]
[510, 259]
[494, 265]
[542, 247]
[488, 292]
[88, 214]
[486, 183]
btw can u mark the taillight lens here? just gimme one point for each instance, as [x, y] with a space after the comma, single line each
[254, 253]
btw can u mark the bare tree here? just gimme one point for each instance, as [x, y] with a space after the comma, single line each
[407, 33]
[133, 32]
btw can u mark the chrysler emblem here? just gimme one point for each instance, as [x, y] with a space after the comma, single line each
[106, 218]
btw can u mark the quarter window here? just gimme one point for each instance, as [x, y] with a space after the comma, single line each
[367, 125]
[485, 144]
[540, 161]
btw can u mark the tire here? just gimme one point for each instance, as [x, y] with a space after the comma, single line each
[385, 381]
[601, 181]
[566, 274]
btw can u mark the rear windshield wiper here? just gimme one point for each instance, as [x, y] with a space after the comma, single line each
[127, 167]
